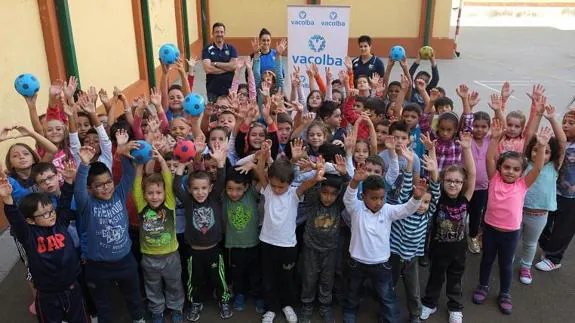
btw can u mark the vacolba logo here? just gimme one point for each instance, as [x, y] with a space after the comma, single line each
[302, 15]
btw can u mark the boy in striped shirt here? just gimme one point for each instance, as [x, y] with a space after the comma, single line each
[407, 238]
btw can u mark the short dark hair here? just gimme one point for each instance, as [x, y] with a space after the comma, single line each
[263, 32]
[282, 170]
[329, 150]
[332, 180]
[511, 155]
[218, 24]
[422, 73]
[283, 117]
[326, 109]
[376, 105]
[336, 81]
[361, 99]
[399, 126]
[443, 101]
[29, 203]
[394, 83]
[376, 160]
[237, 177]
[448, 116]
[364, 39]
[118, 125]
[96, 169]
[373, 183]
[198, 174]
[175, 87]
[413, 108]
[154, 178]
[40, 168]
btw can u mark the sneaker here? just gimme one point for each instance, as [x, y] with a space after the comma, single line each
[426, 312]
[157, 318]
[504, 302]
[326, 313]
[290, 315]
[474, 246]
[194, 312]
[32, 308]
[260, 306]
[455, 317]
[547, 265]
[348, 318]
[525, 275]
[268, 317]
[177, 317]
[480, 294]
[306, 313]
[226, 311]
[239, 302]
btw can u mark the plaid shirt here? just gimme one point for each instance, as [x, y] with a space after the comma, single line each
[448, 151]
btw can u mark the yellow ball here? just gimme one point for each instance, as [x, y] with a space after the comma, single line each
[425, 52]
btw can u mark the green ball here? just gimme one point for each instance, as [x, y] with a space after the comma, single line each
[426, 52]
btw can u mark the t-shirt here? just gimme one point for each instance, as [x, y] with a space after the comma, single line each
[450, 219]
[479, 152]
[505, 203]
[392, 196]
[157, 225]
[566, 182]
[542, 194]
[219, 84]
[280, 214]
[242, 220]
[322, 222]
[373, 65]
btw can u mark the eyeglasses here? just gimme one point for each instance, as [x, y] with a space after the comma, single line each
[47, 179]
[102, 186]
[455, 182]
[46, 215]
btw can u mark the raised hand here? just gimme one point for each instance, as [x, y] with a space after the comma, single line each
[5, 189]
[282, 46]
[544, 136]
[265, 91]
[86, 104]
[246, 168]
[192, 62]
[156, 97]
[420, 85]
[255, 45]
[465, 140]
[349, 142]
[328, 75]
[219, 153]
[249, 63]
[374, 80]
[70, 87]
[462, 90]
[389, 142]
[407, 153]
[343, 77]
[430, 164]
[540, 104]
[347, 63]
[340, 164]
[549, 112]
[360, 173]
[87, 153]
[496, 128]
[180, 65]
[122, 137]
[320, 166]
[305, 165]
[473, 98]
[93, 95]
[125, 149]
[426, 141]
[69, 171]
[537, 92]
[297, 149]
[104, 97]
[506, 92]
[405, 82]
[434, 94]
[23, 130]
[200, 143]
[495, 102]
[56, 88]
[420, 189]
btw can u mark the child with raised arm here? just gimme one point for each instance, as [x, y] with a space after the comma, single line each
[101, 206]
[448, 246]
[156, 205]
[371, 221]
[202, 199]
[507, 190]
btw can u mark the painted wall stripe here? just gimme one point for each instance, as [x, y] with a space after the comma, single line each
[148, 44]
[67, 39]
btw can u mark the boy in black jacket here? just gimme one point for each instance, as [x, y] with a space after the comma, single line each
[52, 258]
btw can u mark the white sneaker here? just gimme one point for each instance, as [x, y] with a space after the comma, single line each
[426, 312]
[547, 265]
[268, 317]
[291, 317]
[455, 317]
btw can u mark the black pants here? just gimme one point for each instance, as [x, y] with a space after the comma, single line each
[502, 245]
[245, 270]
[184, 250]
[104, 277]
[447, 259]
[477, 207]
[278, 275]
[409, 271]
[206, 269]
[559, 230]
[318, 275]
[55, 307]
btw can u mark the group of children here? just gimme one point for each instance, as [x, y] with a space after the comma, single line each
[288, 201]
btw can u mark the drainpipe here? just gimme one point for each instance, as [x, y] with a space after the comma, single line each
[427, 31]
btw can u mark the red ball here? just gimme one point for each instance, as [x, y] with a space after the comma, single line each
[185, 151]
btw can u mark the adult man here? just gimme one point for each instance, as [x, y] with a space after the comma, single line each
[367, 63]
[219, 60]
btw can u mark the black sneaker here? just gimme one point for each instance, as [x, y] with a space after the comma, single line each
[194, 311]
[226, 311]
[306, 313]
[326, 313]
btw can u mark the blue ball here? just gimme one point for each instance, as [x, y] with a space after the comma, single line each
[397, 53]
[27, 84]
[169, 53]
[143, 154]
[194, 104]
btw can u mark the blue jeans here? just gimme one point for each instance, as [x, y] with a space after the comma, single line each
[381, 278]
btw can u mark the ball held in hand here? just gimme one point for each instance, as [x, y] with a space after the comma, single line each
[27, 84]
[194, 104]
[425, 52]
[169, 54]
[397, 53]
[143, 154]
[185, 151]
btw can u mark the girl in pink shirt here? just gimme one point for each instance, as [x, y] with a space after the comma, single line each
[507, 189]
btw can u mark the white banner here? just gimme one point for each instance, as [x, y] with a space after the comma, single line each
[319, 35]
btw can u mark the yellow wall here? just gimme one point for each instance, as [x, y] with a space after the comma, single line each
[105, 44]
[192, 21]
[382, 18]
[441, 19]
[247, 17]
[22, 52]
[163, 25]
